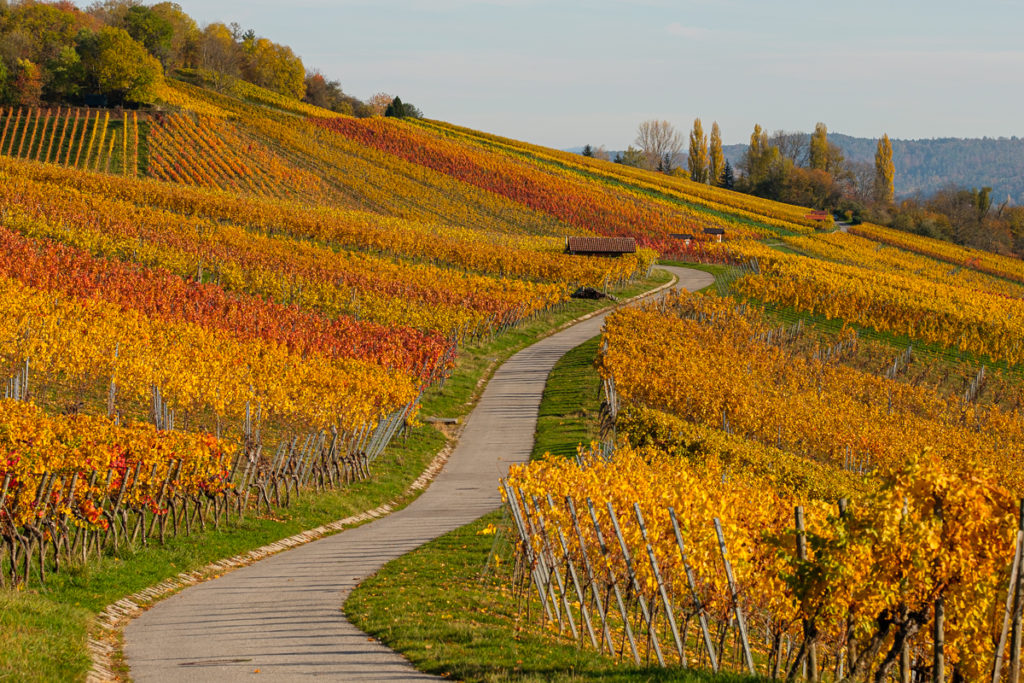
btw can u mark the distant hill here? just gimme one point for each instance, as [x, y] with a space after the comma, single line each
[924, 166]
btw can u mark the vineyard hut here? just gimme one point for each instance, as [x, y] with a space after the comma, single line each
[819, 217]
[716, 233]
[684, 236]
[600, 246]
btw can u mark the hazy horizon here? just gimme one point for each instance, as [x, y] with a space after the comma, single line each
[565, 74]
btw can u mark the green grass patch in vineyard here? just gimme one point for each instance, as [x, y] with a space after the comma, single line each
[571, 405]
[46, 627]
[449, 609]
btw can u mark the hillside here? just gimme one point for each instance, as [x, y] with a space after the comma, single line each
[228, 314]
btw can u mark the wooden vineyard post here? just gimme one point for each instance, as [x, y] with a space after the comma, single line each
[615, 584]
[651, 633]
[740, 622]
[1018, 611]
[702, 616]
[53, 134]
[527, 546]
[997, 667]
[70, 138]
[810, 648]
[14, 132]
[24, 130]
[124, 142]
[571, 567]
[530, 526]
[680, 646]
[939, 665]
[81, 138]
[547, 547]
[606, 634]
[7, 123]
[42, 136]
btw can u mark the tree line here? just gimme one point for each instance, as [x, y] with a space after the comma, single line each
[810, 170]
[116, 53]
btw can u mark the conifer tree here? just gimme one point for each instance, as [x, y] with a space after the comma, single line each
[885, 172]
[728, 177]
[818, 152]
[395, 108]
[717, 157]
[697, 162]
[588, 151]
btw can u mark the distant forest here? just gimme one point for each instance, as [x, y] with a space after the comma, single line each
[925, 166]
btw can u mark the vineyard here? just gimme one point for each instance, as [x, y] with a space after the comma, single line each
[785, 500]
[199, 325]
[214, 307]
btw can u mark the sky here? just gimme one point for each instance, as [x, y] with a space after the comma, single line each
[567, 73]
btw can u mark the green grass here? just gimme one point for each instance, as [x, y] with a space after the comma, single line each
[45, 628]
[447, 606]
[571, 405]
[449, 611]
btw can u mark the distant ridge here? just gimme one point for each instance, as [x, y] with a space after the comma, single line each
[925, 166]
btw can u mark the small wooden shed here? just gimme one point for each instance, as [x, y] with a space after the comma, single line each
[818, 217]
[684, 236]
[600, 246]
[716, 233]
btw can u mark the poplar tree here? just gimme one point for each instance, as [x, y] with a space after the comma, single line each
[885, 172]
[717, 157]
[759, 158]
[818, 153]
[697, 162]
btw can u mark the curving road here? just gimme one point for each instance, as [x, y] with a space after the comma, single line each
[283, 614]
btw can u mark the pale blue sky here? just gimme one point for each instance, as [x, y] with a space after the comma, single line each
[565, 73]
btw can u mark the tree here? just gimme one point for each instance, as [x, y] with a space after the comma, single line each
[118, 67]
[66, 75]
[632, 157]
[697, 161]
[401, 110]
[717, 158]
[792, 145]
[818, 154]
[150, 29]
[759, 159]
[379, 102]
[658, 140]
[183, 49]
[728, 177]
[321, 92]
[588, 151]
[27, 88]
[218, 53]
[885, 172]
[273, 66]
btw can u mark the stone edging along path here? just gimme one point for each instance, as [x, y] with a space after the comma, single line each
[281, 617]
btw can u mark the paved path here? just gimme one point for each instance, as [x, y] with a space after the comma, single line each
[283, 614]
